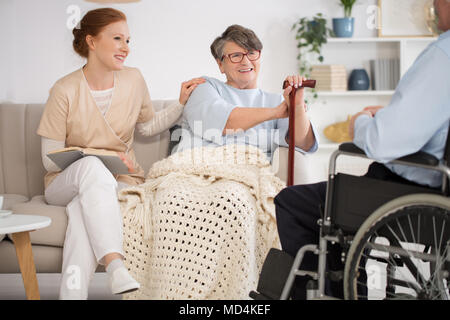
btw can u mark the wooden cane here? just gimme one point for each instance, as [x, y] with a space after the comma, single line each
[305, 84]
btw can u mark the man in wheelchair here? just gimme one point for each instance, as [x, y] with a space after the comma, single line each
[386, 234]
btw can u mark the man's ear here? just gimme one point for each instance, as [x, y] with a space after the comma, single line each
[220, 64]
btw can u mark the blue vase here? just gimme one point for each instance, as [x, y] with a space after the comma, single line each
[359, 80]
[343, 27]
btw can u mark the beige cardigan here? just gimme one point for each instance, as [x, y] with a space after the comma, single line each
[71, 115]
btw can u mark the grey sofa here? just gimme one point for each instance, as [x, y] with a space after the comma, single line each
[21, 182]
[22, 172]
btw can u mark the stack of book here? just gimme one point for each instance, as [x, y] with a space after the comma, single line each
[331, 77]
[385, 73]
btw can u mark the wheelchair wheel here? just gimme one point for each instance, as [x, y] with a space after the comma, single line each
[402, 251]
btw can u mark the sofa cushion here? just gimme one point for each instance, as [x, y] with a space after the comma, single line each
[54, 234]
[9, 200]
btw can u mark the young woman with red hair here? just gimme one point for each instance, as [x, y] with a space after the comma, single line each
[98, 106]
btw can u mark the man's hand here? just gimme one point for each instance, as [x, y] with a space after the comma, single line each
[373, 109]
[351, 127]
[370, 111]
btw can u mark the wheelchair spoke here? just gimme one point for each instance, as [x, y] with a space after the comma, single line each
[398, 282]
[442, 236]
[434, 233]
[394, 281]
[408, 262]
[404, 283]
[438, 260]
[436, 282]
[418, 228]
[406, 240]
[404, 250]
[412, 232]
[434, 279]
[367, 296]
[393, 263]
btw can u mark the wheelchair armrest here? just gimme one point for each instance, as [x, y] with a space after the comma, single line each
[351, 148]
[420, 157]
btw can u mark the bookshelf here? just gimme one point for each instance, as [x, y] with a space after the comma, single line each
[355, 93]
[332, 107]
[386, 39]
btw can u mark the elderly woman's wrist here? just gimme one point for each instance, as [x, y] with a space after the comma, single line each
[277, 112]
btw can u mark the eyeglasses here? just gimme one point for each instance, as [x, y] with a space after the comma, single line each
[237, 57]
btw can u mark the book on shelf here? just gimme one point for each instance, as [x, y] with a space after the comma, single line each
[330, 80]
[384, 73]
[65, 157]
[330, 77]
[331, 67]
[328, 73]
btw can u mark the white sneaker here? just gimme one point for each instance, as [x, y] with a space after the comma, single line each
[122, 282]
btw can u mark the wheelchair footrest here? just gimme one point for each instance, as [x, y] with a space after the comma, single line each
[258, 296]
[274, 274]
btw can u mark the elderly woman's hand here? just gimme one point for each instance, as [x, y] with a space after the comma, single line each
[127, 161]
[295, 82]
[187, 87]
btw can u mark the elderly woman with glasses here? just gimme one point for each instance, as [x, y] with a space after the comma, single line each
[206, 213]
[237, 111]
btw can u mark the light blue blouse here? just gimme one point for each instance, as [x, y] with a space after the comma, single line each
[208, 109]
[416, 119]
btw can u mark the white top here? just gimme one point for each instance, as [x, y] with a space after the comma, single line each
[22, 222]
[102, 99]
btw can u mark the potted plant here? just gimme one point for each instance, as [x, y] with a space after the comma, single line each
[343, 27]
[310, 34]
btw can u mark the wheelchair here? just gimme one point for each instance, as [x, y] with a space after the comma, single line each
[397, 235]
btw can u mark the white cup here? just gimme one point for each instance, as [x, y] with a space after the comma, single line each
[1, 202]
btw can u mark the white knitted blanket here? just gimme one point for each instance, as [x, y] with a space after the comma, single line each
[201, 225]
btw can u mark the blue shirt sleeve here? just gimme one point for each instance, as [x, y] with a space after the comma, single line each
[419, 107]
[206, 112]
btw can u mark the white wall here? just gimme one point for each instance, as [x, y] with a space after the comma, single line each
[6, 47]
[170, 40]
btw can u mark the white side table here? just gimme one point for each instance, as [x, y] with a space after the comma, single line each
[20, 226]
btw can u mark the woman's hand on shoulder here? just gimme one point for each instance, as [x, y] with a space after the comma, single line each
[187, 87]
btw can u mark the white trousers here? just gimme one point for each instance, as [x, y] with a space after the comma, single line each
[89, 192]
